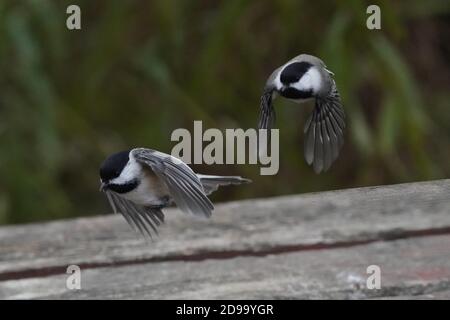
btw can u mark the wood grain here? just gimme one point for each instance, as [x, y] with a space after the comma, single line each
[312, 236]
[410, 267]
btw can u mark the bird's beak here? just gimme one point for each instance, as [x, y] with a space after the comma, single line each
[103, 187]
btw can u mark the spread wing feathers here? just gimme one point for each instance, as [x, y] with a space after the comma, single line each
[184, 185]
[212, 183]
[267, 112]
[144, 220]
[324, 132]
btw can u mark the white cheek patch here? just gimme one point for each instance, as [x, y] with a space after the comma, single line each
[311, 80]
[129, 173]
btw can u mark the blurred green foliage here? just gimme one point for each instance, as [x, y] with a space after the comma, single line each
[139, 69]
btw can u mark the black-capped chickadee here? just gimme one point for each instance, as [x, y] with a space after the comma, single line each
[302, 78]
[140, 182]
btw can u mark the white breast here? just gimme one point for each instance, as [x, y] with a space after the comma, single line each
[150, 191]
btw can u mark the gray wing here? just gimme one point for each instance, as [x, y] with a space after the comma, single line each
[324, 131]
[142, 219]
[183, 184]
[267, 112]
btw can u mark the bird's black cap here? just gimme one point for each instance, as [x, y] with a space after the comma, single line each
[294, 71]
[113, 165]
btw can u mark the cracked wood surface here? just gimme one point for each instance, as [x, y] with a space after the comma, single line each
[304, 246]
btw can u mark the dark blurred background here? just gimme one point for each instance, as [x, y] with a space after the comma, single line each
[140, 69]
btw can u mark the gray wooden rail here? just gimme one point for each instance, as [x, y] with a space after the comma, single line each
[296, 247]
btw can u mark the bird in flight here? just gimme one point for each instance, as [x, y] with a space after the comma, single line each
[140, 182]
[303, 78]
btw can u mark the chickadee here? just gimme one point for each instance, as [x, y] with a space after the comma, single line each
[140, 182]
[303, 78]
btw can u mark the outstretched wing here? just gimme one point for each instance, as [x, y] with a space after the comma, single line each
[267, 112]
[142, 219]
[184, 185]
[324, 131]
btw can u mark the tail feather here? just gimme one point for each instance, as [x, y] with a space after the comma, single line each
[212, 183]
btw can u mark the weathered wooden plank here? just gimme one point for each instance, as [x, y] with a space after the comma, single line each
[410, 267]
[435, 295]
[289, 223]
